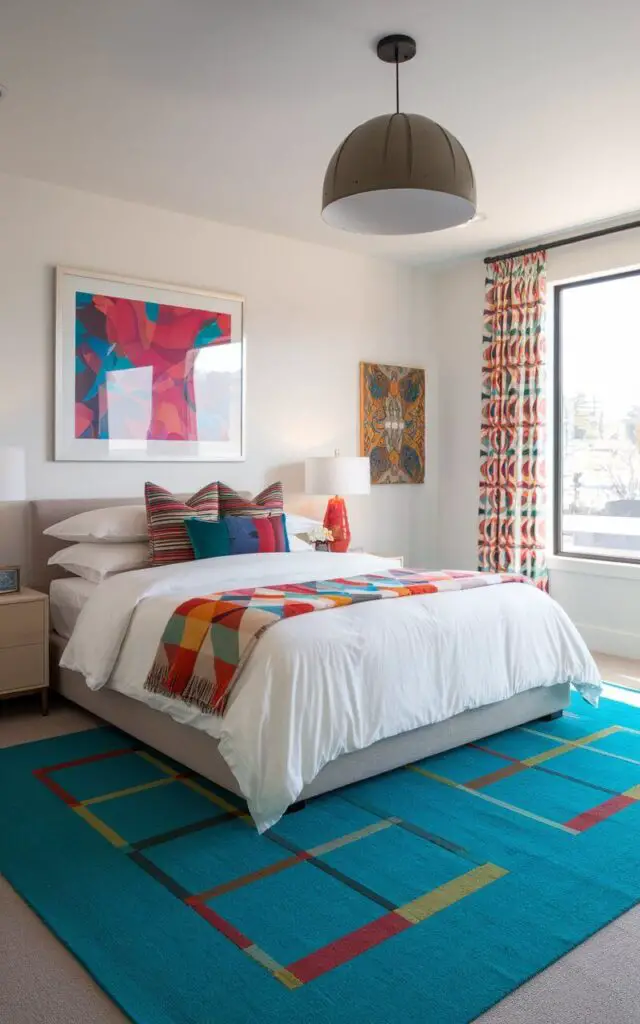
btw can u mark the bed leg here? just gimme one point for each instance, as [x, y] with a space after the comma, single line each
[299, 806]
[551, 717]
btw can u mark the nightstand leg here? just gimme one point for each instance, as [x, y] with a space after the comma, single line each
[44, 700]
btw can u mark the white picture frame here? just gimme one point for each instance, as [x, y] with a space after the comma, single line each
[129, 385]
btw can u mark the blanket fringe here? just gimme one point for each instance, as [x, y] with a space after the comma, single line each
[197, 693]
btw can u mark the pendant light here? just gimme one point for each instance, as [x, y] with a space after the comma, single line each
[398, 174]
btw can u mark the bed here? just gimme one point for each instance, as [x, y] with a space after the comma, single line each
[388, 686]
[67, 598]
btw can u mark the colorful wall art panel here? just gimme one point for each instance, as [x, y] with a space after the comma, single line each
[147, 372]
[392, 422]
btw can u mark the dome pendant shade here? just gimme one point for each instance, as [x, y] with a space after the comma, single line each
[398, 174]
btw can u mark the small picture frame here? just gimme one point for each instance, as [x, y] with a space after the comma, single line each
[9, 579]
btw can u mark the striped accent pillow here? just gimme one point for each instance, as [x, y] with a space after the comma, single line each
[269, 502]
[168, 539]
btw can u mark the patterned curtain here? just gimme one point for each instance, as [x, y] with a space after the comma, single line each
[512, 472]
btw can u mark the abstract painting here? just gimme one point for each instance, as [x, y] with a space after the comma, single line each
[147, 372]
[392, 422]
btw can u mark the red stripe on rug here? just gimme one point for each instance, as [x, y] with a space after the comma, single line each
[86, 760]
[41, 775]
[223, 926]
[600, 813]
[349, 946]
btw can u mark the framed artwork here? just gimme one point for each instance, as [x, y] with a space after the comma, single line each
[147, 372]
[392, 422]
[9, 579]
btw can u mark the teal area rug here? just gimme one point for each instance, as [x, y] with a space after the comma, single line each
[427, 894]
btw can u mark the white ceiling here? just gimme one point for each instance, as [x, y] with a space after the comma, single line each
[230, 109]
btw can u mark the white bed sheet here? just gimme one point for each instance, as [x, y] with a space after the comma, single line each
[318, 686]
[67, 598]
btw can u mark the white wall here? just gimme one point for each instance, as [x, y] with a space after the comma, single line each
[603, 600]
[312, 314]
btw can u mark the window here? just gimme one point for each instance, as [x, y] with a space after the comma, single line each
[597, 410]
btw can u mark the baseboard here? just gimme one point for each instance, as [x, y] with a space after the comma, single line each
[610, 641]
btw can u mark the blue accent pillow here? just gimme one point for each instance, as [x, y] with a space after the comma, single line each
[237, 535]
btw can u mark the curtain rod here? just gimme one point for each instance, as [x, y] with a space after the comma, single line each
[564, 241]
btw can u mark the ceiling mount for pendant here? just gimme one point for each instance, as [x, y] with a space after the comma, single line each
[396, 49]
[398, 173]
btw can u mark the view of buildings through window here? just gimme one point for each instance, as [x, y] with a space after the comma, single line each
[598, 337]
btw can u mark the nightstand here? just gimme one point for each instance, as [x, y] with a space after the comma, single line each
[24, 645]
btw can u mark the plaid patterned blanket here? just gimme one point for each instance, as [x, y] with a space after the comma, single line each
[207, 640]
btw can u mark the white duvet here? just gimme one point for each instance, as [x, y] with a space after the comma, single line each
[321, 685]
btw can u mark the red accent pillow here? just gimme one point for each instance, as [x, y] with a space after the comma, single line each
[168, 538]
[270, 502]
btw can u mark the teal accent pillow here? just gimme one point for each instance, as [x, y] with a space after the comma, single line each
[207, 543]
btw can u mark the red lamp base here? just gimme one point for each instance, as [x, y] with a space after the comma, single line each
[337, 520]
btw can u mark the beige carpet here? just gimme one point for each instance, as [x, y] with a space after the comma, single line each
[622, 671]
[42, 983]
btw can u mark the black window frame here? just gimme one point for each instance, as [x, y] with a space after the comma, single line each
[558, 411]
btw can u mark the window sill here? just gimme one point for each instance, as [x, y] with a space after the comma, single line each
[593, 567]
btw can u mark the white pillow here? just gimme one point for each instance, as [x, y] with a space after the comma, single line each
[94, 562]
[298, 544]
[117, 524]
[300, 524]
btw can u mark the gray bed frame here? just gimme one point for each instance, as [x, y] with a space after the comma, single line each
[200, 753]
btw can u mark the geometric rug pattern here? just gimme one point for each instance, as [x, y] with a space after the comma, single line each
[426, 893]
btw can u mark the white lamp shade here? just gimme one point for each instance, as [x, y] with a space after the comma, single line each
[13, 479]
[337, 474]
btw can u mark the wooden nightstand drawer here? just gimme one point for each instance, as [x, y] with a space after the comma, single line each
[22, 668]
[21, 624]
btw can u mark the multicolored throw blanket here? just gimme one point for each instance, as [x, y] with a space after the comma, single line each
[207, 640]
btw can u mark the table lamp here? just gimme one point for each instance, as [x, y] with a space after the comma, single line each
[337, 475]
[13, 485]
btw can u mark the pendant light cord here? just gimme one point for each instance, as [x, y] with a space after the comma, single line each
[397, 83]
